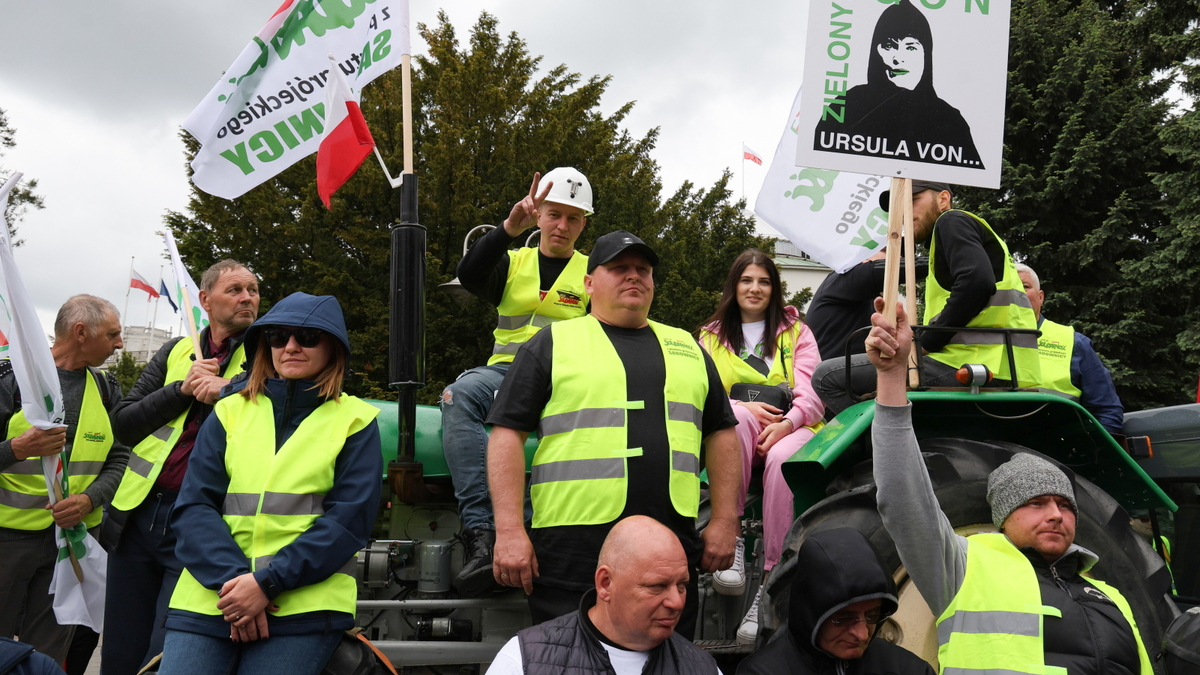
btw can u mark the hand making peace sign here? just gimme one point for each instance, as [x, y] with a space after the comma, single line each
[524, 213]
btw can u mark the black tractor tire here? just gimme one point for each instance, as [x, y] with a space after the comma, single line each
[959, 470]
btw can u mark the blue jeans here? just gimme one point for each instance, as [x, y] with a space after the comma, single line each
[142, 571]
[195, 654]
[465, 405]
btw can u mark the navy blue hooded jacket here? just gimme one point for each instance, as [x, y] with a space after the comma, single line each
[204, 543]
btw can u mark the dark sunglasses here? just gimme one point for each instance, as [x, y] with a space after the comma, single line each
[305, 337]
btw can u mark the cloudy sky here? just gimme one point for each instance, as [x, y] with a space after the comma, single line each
[97, 92]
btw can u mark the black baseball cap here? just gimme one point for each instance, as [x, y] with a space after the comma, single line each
[917, 186]
[614, 244]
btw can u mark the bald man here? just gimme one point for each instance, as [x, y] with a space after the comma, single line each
[626, 624]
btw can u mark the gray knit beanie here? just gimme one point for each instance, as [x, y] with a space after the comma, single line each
[1022, 478]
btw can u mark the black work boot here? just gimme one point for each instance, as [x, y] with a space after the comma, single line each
[476, 578]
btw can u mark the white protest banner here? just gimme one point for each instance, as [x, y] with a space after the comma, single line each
[833, 216]
[80, 570]
[267, 112]
[882, 100]
[187, 293]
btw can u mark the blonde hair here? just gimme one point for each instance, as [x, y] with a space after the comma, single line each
[328, 382]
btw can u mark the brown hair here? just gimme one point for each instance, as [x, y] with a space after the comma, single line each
[329, 381]
[728, 317]
[208, 281]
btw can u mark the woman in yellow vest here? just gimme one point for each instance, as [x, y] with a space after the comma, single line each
[281, 492]
[754, 339]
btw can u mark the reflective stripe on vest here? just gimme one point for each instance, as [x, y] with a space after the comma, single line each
[994, 624]
[523, 311]
[1055, 347]
[274, 497]
[147, 457]
[23, 485]
[734, 370]
[1007, 308]
[579, 474]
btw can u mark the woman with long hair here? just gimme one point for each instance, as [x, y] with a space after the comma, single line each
[282, 489]
[755, 340]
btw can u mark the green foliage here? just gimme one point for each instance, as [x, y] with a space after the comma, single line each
[485, 118]
[127, 371]
[800, 299]
[22, 197]
[1079, 202]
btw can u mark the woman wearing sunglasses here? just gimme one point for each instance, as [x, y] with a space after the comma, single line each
[282, 490]
[766, 357]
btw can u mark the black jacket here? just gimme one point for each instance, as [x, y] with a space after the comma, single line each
[566, 645]
[152, 402]
[834, 568]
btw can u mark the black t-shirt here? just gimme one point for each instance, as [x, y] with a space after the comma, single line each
[845, 302]
[567, 555]
[484, 269]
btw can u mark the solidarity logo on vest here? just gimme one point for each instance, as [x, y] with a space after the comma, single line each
[569, 298]
[94, 437]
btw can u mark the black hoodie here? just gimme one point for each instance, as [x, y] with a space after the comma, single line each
[834, 568]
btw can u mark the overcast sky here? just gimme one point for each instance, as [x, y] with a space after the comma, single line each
[97, 92]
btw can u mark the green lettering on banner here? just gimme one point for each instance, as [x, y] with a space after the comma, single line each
[286, 134]
[982, 4]
[933, 5]
[814, 184]
[238, 155]
[274, 148]
[863, 238]
[841, 30]
[306, 123]
[382, 48]
[336, 14]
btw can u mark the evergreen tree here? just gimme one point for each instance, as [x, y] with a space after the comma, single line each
[1078, 202]
[127, 371]
[485, 119]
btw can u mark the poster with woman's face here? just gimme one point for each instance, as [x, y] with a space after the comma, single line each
[907, 88]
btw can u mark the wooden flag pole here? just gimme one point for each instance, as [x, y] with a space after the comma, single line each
[406, 97]
[58, 497]
[910, 280]
[891, 269]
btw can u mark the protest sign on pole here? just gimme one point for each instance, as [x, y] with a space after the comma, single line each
[80, 570]
[833, 216]
[881, 100]
[267, 112]
[187, 293]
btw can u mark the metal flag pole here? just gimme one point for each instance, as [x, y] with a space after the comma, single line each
[154, 321]
[406, 355]
[128, 287]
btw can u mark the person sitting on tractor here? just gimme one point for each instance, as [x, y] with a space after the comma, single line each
[841, 594]
[1014, 601]
[531, 288]
[972, 283]
[1070, 365]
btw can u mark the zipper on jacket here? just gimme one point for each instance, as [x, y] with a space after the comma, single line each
[284, 421]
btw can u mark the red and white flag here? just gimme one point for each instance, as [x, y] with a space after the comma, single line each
[139, 282]
[347, 140]
[751, 155]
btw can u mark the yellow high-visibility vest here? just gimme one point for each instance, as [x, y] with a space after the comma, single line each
[524, 311]
[580, 469]
[995, 621]
[274, 497]
[23, 497]
[1055, 347]
[147, 457]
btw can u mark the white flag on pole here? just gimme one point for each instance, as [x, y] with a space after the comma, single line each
[79, 574]
[186, 293]
[833, 216]
[267, 112]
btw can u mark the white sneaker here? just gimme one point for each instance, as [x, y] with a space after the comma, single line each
[748, 632]
[733, 580]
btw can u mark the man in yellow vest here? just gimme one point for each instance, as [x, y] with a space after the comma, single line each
[622, 406]
[160, 418]
[1070, 365]
[972, 282]
[531, 288]
[1015, 601]
[86, 332]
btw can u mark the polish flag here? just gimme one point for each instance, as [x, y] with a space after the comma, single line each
[347, 140]
[751, 155]
[139, 282]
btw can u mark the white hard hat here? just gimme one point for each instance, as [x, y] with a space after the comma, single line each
[570, 187]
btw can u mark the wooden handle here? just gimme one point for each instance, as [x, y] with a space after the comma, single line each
[58, 497]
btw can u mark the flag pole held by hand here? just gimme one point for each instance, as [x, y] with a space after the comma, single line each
[58, 497]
